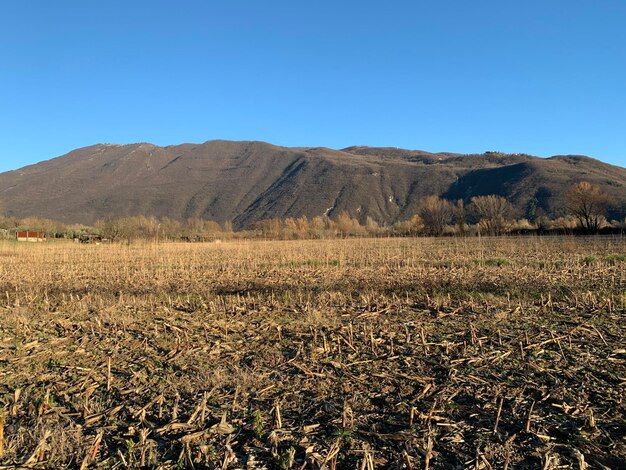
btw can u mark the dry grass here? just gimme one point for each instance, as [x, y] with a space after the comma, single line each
[401, 353]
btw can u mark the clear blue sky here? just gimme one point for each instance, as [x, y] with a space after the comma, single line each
[537, 76]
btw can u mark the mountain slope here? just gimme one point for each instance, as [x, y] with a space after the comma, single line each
[249, 181]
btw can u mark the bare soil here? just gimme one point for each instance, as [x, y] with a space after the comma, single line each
[394, 353]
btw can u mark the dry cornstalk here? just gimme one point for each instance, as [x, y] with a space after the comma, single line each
[580, 457]
[429, 452]
[495, 426]
[332, 453]
[175, 409]
[109, 374]
[591, 420]
[485, 461]
[424, 343]
[38, 453]
[1, 433]
[93, 451]
[529, 417]
[16, 398]
[368, 460]
[407, 460]
[547, 462]
[278, 421]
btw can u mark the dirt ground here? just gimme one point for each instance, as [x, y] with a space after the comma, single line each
[381, 353]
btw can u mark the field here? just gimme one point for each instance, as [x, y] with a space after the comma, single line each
[382, 353]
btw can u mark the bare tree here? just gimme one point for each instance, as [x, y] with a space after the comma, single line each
[493, 213]
[347, 226]
[588, 203]
[371, 226]
[460, 216]
[318, 226]
[269, 228]
[415, 224]
[110, 227]
[303, 226]
[435, 213]
[290, 228]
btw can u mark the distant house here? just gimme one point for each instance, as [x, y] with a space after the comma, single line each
[30, 236]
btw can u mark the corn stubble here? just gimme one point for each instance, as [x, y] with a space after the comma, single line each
[385, 353]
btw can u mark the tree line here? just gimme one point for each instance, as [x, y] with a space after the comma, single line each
[585, 209]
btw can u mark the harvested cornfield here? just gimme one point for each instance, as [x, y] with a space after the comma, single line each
[383, 353]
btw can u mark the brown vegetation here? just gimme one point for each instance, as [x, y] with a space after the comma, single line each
[486, 215]
[588, 203]
[435, 214]
[381, 353]
[493, 213]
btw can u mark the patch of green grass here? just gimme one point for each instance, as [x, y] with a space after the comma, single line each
[258, 424]
[130, 452]
[615, 259]
[589, 260]
[285, 459]
[345, 434]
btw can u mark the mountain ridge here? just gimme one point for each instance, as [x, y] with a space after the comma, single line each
[247, 181]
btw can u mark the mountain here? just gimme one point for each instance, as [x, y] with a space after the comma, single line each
[249, 181]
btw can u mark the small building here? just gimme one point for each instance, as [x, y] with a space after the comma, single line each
[30, 236]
